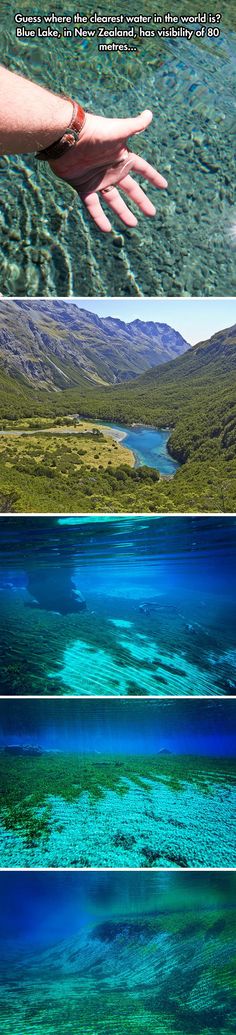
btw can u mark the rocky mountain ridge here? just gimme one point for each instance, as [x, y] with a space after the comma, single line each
[55, 345]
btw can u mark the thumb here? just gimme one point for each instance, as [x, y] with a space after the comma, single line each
[128, 127]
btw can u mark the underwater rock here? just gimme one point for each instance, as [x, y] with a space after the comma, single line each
[177, 823]
[52, 589]
[148, 607]
[160, 679]
[227, 686]
[177, 860]
[135, 690]
[22, 749]
[170, 668]
[164, 751]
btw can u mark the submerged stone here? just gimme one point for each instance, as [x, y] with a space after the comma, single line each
[148, 607]
[22, 749]
[52, 589]
[164, 751]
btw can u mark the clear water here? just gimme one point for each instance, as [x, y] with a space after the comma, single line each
[129, 606]
[149, 446]
[137, 953]
[48, 246]
[103, 727]
[118, 783]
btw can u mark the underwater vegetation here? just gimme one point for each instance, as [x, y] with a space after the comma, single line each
[103, 782]
[68, 809]
[118, 606]
[114, 646]
[118, 953]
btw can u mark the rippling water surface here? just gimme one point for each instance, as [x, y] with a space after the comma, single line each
[124, 606]
[47, 244]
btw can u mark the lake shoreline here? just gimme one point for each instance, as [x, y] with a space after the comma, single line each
[154, 457]
[120, 435]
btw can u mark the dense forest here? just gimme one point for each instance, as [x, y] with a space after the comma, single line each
[194, 395]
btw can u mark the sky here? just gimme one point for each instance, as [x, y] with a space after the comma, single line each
[195, 318]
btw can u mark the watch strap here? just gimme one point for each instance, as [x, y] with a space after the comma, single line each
[69, 137]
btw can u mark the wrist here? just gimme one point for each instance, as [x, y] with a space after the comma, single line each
[68, 139]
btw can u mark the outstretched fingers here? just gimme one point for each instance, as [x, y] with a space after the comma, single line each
[143, 168]
[117, 204]
[114, 200]
[92, 203]
[138, 196]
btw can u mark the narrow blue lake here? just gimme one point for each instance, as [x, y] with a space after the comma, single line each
[149, 446]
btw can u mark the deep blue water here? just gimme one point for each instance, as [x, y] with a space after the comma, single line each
[41, 907]
[124, 727]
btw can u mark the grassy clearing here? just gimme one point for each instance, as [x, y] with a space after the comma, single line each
[58, 468]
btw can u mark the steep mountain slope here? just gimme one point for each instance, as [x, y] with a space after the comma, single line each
[194, 394]
[54, 344]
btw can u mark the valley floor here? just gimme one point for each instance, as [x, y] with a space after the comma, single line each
[82, 468]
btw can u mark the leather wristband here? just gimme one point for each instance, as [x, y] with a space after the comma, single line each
[69, 137]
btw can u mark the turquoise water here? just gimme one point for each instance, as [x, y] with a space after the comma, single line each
[48, 246]
[126, 606]
[149, 446]
[94, 783]
[118, 953]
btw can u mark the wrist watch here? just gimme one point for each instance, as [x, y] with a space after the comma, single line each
[69, 137]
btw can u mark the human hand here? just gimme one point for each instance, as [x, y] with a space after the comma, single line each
[101, 159]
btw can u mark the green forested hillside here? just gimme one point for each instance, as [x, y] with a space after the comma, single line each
[195, 395]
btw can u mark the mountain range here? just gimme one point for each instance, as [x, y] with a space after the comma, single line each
[55, 362]
[52, 344]
[195, 395]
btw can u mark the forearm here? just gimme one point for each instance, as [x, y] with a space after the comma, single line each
[31, 117]
[88, 151]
